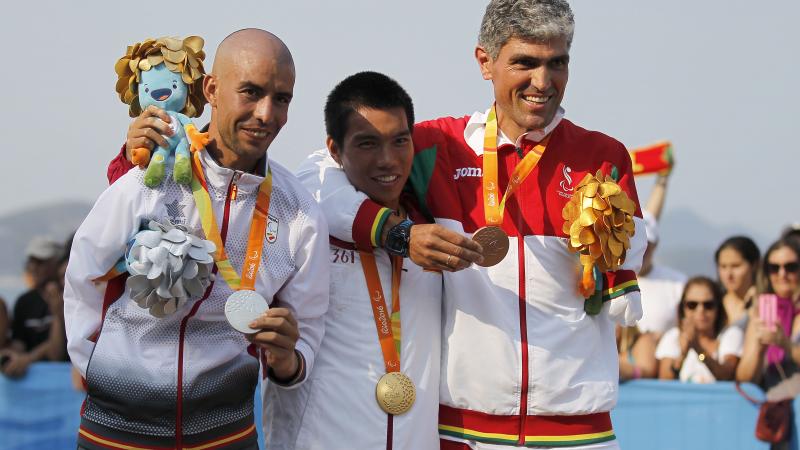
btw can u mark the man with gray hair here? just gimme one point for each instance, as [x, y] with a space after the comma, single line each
[525, 363]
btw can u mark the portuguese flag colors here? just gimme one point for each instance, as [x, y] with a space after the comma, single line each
[652, 158]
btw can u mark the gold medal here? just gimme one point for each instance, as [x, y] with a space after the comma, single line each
[494, 242]
[395, 393]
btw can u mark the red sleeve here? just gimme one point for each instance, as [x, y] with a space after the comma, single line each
[118, 166]
[368, 224]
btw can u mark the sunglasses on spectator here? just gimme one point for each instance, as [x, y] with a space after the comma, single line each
[791, 267]
[708, 305]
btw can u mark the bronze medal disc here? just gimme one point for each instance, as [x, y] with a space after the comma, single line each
[494, 242]
[395, 393]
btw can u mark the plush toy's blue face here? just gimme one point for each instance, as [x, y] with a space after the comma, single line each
[162, 88]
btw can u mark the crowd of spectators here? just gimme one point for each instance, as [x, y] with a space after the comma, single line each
[34, 331]
[743, 326]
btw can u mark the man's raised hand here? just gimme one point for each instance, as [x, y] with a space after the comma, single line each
[145, 133]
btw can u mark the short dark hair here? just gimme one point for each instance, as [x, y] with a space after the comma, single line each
[363, 90]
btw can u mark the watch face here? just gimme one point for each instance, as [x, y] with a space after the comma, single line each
[397, 239]
[395, 243]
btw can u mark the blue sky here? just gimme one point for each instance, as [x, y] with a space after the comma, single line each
[716, 77]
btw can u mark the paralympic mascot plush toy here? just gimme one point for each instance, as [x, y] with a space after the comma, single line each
[167, 265]
[168, 73]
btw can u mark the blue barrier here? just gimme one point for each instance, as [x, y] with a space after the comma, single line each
[669, 415]
[41, 411]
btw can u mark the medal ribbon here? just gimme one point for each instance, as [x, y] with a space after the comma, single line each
[493, 209]
[255, 241]
[389, 330]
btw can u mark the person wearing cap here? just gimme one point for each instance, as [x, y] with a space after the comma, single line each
[32, 335]
[661, 286]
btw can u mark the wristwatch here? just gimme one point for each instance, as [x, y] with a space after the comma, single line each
[398, 238]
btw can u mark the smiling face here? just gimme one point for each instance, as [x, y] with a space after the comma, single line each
[162, 88]
[700, 307]
[376, 153]
[250, 103]
[529, 80]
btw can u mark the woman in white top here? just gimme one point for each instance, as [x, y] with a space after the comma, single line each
[700, 351]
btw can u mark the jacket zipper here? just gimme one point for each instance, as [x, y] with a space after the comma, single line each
[231, 195]
[523, 321]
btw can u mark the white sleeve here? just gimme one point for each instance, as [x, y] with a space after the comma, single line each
[306, 292]
[669, 346]
[626, 310]
[731, 341]
[98, 244]
[341, 201]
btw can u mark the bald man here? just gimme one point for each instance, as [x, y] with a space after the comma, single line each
[187, 380]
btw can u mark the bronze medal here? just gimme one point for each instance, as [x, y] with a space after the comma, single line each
[395, 393]
[494, 242]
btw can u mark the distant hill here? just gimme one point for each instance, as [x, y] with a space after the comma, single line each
[688, 242]
[57, 220]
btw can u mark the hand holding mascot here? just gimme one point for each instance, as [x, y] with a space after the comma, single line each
[168, 73]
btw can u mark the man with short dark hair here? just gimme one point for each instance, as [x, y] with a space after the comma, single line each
[375, 383]
[525, 362]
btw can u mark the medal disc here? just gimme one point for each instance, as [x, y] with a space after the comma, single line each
[494, 242]
[242, 308]
[395, 393]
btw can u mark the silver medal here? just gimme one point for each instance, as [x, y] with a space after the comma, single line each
[242, 308]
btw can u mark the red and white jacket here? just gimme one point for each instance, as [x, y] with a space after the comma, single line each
[522, 363]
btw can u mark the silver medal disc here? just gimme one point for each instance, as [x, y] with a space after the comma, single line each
[242, 308]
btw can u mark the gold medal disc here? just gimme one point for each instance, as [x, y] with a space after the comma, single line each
[395, 393]
[494, 242]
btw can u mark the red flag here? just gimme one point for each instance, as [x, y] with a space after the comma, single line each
[652, 158]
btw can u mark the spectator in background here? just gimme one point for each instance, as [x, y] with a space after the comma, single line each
[3, 324]
[792, 232]
[737, 264]
[661, 286]
[699, 351]
[53, 294]
[636, 354]
[33, 317]
[772, 353]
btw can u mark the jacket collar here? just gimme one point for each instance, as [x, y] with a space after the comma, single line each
[476, 127]
[220, 177]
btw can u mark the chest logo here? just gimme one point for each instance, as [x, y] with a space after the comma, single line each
[462, 172]
[175, 212]
[566, 183]
[271, 233]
